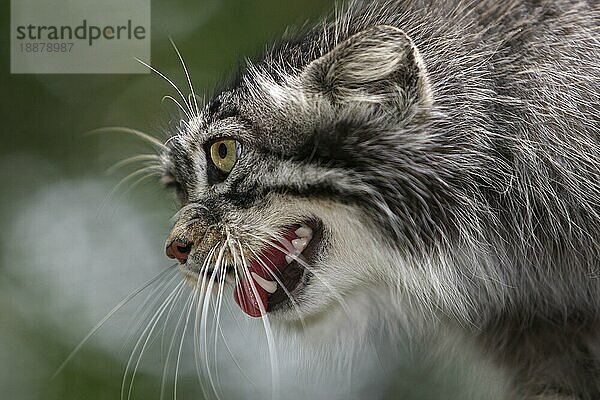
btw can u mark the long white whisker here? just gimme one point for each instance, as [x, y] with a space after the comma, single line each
[203, 320]
[140, 180]
[221, 285]
[147, 334]
[151, 170]
[185, 325]
[197, 292]
[179, 105]
[197, 328]
[235, 362]
[216, 318]
[280, 283]
[165, 325]
[187, 75]
[121, 129]
[169, 81]
[149, 304]
[236, 265]
[268, 332]
[172, 343]
[274, 244]
[129, 160]
[100, 324]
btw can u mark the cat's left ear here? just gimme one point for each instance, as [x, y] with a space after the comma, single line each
[378, 65]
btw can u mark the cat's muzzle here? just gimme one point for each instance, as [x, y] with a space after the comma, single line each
[265, 280]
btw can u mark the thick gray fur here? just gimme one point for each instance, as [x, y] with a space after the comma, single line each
[467, 133]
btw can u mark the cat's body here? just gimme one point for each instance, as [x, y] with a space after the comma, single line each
[450, 152]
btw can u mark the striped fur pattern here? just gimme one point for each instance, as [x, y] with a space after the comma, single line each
[451, 150]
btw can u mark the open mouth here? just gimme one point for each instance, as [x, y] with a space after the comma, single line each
[279, 270]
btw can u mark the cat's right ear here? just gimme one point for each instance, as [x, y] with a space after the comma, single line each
[378, 65]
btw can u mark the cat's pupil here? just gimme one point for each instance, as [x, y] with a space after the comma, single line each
[222, 150]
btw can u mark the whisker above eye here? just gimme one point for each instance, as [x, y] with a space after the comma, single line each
[187, 75]
[179, 105]
[168, 80]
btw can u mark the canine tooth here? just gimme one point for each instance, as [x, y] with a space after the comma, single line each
[304, 232]
[300, 244]
[269, 286]
[289, 258]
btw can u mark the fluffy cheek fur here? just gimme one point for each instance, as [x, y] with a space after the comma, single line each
[354, 273]
[352, 269]
[359, 272]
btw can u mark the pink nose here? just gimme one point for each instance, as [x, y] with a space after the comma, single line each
[179, 250]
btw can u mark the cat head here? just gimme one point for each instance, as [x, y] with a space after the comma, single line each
[304, 181]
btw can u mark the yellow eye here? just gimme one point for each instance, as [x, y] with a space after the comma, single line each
[224, 153]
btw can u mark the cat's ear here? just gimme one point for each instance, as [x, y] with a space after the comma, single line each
[378, 65]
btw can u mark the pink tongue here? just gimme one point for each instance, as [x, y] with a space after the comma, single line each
[250, 296]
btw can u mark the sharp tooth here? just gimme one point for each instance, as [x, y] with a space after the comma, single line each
[269, 286]
[304, 232]
[289, 258]
[300, 244]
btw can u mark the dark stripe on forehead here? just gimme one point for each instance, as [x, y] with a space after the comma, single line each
[223, 106]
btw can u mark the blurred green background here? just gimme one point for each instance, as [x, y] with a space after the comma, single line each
[72, 247]
[62, 267]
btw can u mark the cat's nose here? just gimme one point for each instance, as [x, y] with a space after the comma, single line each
[179, 250]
